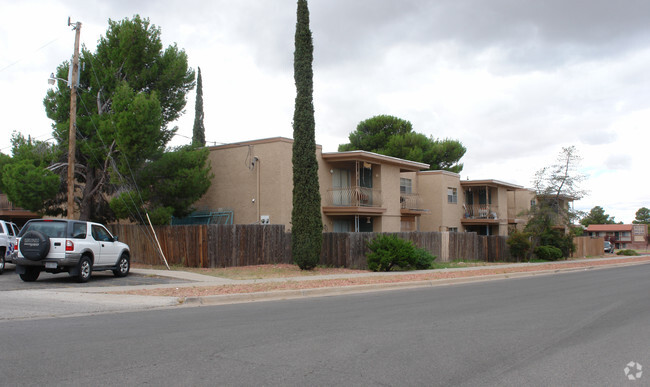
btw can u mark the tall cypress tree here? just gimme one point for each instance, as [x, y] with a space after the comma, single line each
[198, 132]
[307, 224]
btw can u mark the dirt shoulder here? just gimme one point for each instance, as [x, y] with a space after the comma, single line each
[350, 278]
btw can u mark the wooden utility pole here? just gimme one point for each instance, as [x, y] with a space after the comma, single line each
[72, 140]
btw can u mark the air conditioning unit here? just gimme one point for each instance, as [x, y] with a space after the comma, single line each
[264, 219]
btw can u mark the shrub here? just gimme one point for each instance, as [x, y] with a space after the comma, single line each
[627, 252]
[423, 259]
[549, 253]
[519, 244]
[389, 252]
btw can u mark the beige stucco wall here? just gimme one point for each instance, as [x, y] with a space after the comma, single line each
[519, 205]
[234, 185]
[432, 188]
[388, 182]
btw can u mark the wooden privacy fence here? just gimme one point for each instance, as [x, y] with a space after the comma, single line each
[588, 247]
[243, 245]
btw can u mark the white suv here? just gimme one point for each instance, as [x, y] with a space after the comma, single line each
[73, 246]
[8, 233]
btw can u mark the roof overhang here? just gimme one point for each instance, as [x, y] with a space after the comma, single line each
[370, 157]
[490, 183]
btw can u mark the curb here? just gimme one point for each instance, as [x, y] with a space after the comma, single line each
[336, 291]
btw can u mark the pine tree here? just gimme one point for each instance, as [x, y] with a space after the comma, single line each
[307, 225]
[198, 132]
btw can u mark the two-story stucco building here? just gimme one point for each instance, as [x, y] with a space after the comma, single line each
[360, 191]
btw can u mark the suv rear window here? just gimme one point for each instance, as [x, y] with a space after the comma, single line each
[53, 229]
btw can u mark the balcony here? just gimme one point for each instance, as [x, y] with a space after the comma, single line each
[353, 201]
[410, 204]
[480, 214]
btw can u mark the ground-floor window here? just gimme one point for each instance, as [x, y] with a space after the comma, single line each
[351, 223]
[342, 225]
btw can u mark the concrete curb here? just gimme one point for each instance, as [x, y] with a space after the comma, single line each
[335, 291]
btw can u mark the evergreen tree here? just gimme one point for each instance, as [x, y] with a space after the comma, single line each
[597, 215]
[131, 89]
[198, 133]
[307, 224]
[393, 136]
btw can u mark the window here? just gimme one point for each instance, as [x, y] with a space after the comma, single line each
[405, 186]
[100, 234]
[453, 229]
[532, 202]
[452, 195]
[79, 230]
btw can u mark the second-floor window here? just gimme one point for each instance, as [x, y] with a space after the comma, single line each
[405, 186]
[452, 195]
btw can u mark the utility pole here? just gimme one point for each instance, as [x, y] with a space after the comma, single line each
[72, 140]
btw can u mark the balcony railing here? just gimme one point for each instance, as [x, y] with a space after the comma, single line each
[481, 211]
[353, 197]
[409, 201]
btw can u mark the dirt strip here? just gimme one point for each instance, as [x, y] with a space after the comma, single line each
[293, 284]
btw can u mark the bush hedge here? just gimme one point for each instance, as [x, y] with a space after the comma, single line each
[549, 253]
[627, 252]
[388, 252]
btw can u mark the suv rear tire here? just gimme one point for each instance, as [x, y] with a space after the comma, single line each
[85, 268]
[30, 274]
[2, 264]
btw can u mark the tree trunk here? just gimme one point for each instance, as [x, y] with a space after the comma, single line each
[85, 208]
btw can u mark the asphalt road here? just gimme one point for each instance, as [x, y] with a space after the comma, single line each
[572, 329]
[9, 280]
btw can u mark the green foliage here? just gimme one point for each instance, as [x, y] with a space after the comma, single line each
[198, 131]
[519, 243]
[27, 185]
[375, 132]
[161, 215]
[130, 89]
[642, 216]
[390, 252]
[173, 181]
[307, 226]
[627, 252]
[597, 215]
[395, 137]
[548, 253]
[4, 160]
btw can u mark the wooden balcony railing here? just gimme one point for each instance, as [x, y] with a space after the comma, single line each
[481, 211]
[353, 197]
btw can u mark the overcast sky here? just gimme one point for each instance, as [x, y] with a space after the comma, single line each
[513, 80]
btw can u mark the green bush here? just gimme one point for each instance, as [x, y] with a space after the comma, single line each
[549, 253]
[627, 252]
[423, 259]
[519, 243]
[389, 252]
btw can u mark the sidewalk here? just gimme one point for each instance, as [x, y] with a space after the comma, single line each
[210, 290]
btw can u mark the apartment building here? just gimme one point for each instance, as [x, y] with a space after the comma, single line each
[624, 236]
[360, 192]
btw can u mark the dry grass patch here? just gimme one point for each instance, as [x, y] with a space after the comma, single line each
[397, 277]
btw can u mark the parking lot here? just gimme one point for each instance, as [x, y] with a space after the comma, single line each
[11, 281]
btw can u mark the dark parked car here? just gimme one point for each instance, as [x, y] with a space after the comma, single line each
[609, 247]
